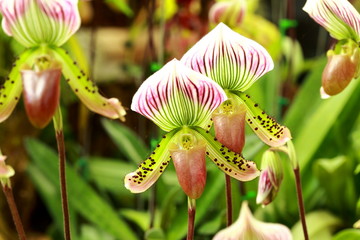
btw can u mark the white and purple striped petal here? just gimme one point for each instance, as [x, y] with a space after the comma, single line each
[177, 96]
[338, 17]
[35, 22]
[233, 61]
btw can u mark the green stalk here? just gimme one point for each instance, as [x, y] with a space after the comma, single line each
[191, 218]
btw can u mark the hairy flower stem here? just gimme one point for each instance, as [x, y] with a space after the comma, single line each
[62, 161]
[228, 200]
[191, 218]
[14, 211]
[300, 201]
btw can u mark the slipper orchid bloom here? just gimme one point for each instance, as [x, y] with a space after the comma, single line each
[235, 63]
[249, 228]
[180, 101]
[42, 26]
[342, 21]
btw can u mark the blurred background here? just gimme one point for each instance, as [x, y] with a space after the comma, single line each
[120, 44]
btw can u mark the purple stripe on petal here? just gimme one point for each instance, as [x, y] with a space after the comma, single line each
[176, 96]
[338, 17]
[231, 60]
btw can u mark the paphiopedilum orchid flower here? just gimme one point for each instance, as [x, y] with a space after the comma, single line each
[270, 178]
[342, 21]
[247, 227]
[235, 63]
[180, 101]
[42, 26]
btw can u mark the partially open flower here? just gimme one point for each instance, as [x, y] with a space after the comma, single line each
[235, 63]
[247, 227]
[271, 177]
[6, 171]
[181, 101]
[342, 21]
[34, 22]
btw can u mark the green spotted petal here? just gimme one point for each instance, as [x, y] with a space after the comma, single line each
[86, 89]
[11, 90]
[151, 169]
[231, 163]
[233, 61]
[338, 17]
[266, 127]
[177, 96]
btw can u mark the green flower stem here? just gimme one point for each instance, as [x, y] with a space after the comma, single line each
[290, 151]
[228, 200]
[191, 218]
[58, 126]
[14, 211]
[300, 201]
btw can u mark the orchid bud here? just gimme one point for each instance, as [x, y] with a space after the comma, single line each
[229, 124]
[41, 88]
[271, 177]
[340, 69]
[6, 171]
[36, 22]
[188, 154]
[247, 227]
[229, 12]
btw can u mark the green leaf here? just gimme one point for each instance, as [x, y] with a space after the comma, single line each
[82, 198]
[51, 196]
[155, 234]
[320, 226]
[126, 140]
[348, 234]
[89, 232]
[109, 174]
[142, 219]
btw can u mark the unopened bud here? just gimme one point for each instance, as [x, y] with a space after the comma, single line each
[6, 172]
[270, 178]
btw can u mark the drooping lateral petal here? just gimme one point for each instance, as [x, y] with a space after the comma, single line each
[338, 17]
[33, 22]
[11, 90]
[233, 61]
[231, 163]
[86, 89]
[265, 127]
[151, 169]
[177, 96]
